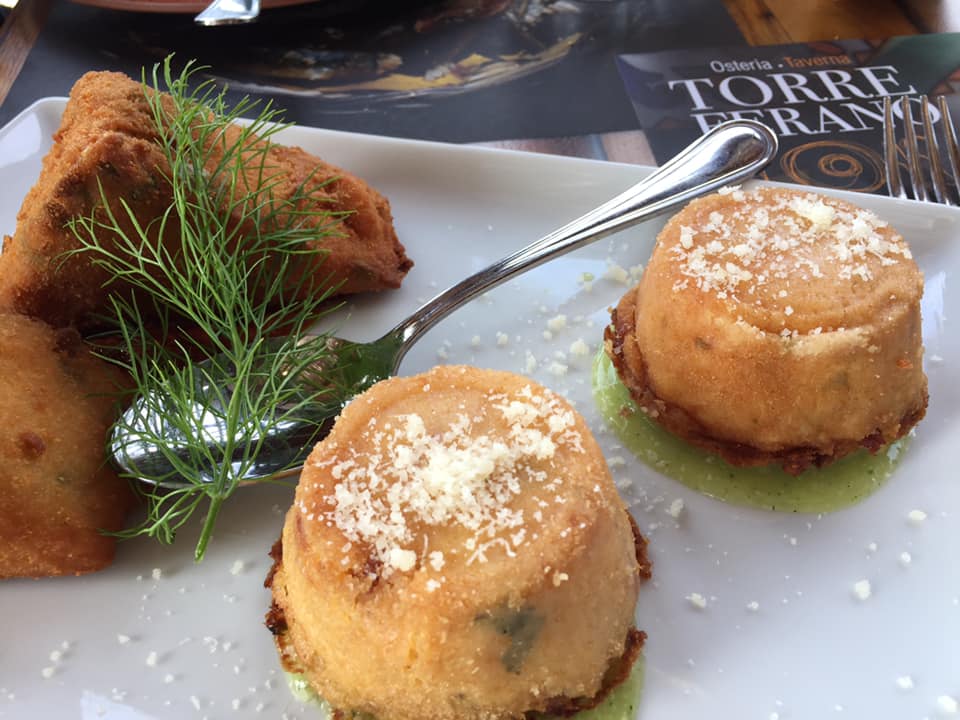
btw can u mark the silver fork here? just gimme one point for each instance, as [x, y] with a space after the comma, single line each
[229, 12]
[933, 165]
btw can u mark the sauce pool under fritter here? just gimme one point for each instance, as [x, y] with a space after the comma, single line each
[836, 486]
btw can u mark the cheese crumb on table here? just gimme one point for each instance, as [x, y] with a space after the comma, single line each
[579, 348]
[697, 600]
[947, 705]
[916, 517]
[617, 273]
[862, 590]
[557, 323]
[530, 362]
[905, 682]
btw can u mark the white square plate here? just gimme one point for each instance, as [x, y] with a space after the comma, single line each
[158, 636]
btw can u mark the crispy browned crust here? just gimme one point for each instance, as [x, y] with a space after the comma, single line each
[275, 621]
[616, 674]
[362, 252]
[793, 460]
[644, 564]
[107, 141]
[58, 493]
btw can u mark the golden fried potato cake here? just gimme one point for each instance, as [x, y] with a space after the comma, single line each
[56, 490]
[107, 139]
[775, 326]
[362, 253]
[457, 550]
[36, 278]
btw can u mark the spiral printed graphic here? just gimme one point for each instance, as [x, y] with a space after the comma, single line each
[835, 164]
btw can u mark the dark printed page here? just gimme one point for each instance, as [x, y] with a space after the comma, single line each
[824, 100]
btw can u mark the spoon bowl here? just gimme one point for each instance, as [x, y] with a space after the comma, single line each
[728, 154]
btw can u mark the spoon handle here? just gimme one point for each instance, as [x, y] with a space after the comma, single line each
[729, 153]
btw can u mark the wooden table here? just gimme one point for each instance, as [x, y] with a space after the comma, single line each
[765, 22]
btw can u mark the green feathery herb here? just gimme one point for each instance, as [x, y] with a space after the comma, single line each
[222, 262]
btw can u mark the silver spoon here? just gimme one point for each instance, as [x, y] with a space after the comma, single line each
[730, 153]
[229, 12]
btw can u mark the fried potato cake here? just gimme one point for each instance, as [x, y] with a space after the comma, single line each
[775, 326]
[457, 550]
[107, 140]
[56, 490]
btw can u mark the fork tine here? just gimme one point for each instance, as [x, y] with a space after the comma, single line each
[891, 163]
[940, 189]
[915, 171]
[950, 140]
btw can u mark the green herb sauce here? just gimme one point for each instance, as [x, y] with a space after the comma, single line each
[621, 704]
[836, 486]
[303, 691]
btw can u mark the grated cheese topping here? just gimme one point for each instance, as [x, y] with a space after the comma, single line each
[407, 478]
[765, 237]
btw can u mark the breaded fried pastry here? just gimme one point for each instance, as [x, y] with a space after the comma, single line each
[457, 550]
[56, 490]
[107, 140]
[775, 326]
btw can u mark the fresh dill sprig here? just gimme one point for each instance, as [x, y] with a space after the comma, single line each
[222, 260]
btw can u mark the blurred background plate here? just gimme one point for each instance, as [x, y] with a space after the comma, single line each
[174, 6]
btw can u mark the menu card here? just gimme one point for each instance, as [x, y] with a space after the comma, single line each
[824, 100]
